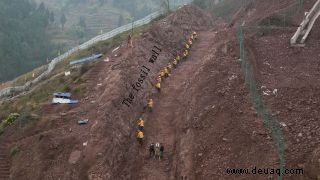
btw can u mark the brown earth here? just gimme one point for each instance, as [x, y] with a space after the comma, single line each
[203, 115]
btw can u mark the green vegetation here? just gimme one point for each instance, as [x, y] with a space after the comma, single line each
[8, 121]
[14, 151]
[30, 106]
[23, 41]
[1, 130]
[224, 9]
[32, 31]
[63, 20]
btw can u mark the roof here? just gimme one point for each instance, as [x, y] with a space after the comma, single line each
[62, 94]
[96, 56]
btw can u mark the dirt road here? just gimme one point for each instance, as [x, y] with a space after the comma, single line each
[170, 113]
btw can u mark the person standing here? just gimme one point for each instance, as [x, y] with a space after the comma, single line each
[129, 43]
[140, 124]
[140, 137]
[150, 105]
[161, 150]
[151, 149]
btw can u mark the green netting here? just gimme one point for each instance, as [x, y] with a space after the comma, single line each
[270, 122]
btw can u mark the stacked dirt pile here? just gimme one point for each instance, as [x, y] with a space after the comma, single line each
[191, 17]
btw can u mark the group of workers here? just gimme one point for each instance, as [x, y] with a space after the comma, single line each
[140, 130]
[164, 72]
[140, 122]
[157, 149]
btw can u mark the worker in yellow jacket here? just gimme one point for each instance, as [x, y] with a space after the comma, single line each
[166, 72]
[187, 46]
[158, 86]
[194, 34]
[158, 78]
[190, 42]
[150, 104]
[162, 74]
[169, 66]
[185, 53]
[140, 137]
[175, 62]
[178, 58]
[140, 124]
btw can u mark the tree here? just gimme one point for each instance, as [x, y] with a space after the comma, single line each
[82, 22]
[42, 8]
[23, 39]
[120, 21]
[200, 3]
[168, 5]
[51, 17]
[102, 2]
[63, 20]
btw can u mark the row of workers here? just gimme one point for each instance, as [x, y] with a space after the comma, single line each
[164, 72]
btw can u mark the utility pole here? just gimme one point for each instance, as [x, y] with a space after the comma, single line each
[132, 18]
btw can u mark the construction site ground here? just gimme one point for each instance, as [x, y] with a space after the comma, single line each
[203, 115]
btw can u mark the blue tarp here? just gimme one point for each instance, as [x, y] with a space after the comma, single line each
[84, 121]
[62, 94]
[96, 56]
[73, 101]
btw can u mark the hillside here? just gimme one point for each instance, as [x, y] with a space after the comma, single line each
[100, 16]
[205, 115]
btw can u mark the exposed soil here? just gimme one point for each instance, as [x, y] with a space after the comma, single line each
[203, 114]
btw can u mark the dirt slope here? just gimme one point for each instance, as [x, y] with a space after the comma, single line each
[203, 115]
[170, 113]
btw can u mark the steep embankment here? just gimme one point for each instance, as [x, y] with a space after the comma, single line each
[203, 115]
[105, 148]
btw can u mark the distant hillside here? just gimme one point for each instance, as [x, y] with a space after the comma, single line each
[23, 41]
[99, 15]
[32, 31]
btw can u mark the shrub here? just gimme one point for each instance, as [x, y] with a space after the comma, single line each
[14, 151]
[1, 129]
[10, 119]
